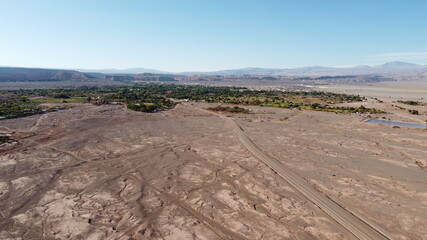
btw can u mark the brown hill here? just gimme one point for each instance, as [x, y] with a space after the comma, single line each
[8, 74]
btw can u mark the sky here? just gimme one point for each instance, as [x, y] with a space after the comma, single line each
[207, 35]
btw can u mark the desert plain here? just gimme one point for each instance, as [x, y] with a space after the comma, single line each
[106, 172]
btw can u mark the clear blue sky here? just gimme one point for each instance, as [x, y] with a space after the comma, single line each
[202, 35]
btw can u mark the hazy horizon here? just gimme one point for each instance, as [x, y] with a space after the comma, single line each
[195, 36]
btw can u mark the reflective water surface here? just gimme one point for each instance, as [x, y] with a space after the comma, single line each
[394, 123]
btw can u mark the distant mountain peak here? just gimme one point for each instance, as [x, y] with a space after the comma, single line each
[123, 71]
[397, 64]
[362, 67]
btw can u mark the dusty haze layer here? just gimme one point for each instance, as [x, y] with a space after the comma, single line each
[104, 172]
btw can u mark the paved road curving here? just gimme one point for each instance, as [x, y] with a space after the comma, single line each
[358, 227]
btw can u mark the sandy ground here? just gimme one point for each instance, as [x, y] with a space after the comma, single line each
[108, 173]
[397, 90]
[103, 172]
[372, 170]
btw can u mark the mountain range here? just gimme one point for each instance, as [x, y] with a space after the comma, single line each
[395, 70]
[123, 71]
[14, 74]
[390, 67]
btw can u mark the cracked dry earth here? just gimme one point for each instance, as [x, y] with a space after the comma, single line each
[103, 172]
[374, 171]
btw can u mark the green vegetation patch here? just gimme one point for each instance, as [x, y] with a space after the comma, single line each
[157, 97]
[307, 100]
[4, 139]
[413, 112]
[59, 100]
[337, 109]
[413, 103]
[19, 108]
[227, 109]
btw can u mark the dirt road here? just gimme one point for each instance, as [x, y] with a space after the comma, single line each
[358, 227]
[104, 172]
[361, 229]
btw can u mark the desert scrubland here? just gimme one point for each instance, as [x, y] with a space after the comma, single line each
[106, 172]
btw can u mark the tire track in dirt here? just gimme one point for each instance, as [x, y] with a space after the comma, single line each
[360, 228]
[355, 225]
